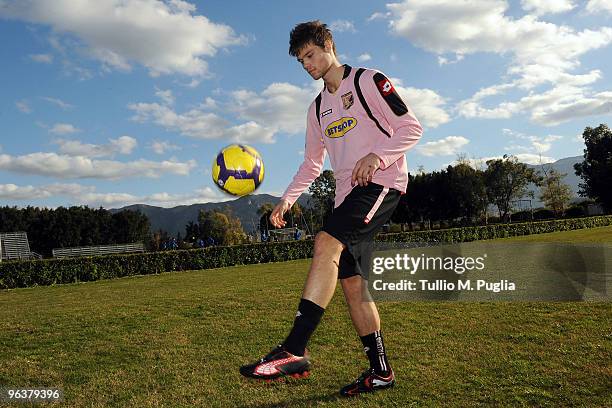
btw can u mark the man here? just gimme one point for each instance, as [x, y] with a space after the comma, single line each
[360, 120]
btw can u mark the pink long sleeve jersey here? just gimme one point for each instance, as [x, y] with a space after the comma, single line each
[364, 115]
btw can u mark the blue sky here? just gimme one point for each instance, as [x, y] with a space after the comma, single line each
[116, 102]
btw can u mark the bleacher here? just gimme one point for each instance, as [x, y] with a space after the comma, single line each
[97, 250]
[15, 245]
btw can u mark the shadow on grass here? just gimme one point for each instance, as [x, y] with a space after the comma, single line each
[292, 402]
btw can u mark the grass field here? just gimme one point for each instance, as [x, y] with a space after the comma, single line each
[177, 339]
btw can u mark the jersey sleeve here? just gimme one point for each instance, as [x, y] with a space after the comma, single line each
[389, 106]
[314, 156]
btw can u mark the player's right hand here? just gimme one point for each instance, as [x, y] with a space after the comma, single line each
[276, 218]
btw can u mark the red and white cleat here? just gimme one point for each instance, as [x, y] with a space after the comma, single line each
[276, 364]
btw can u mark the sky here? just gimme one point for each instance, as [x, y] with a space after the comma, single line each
[117, 102]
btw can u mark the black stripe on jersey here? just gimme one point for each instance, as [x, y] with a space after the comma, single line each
[318, 108]
[392, 98]
[347, 71]
[358, 74]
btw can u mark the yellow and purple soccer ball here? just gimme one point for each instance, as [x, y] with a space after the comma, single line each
[238, 169]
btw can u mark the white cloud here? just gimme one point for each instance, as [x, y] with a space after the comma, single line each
[73, 167]
[427, 105]
[482, 26]
[200, 124]
[450, 145]
[529, 158]
[540, 7]
[87, 195]
[161, 147]
[541, 53]
[446, 61]
[166, 37]
[281, 107]
[42, 58]
[580, 106]
[364, 57]
[379, 16]
[63, 129]
[121, 145]
[23, 106]
[166, 96]
[339, 26]
[532, 158]
[596, 6]
[58, 102]
[562, 103]
[537, 144]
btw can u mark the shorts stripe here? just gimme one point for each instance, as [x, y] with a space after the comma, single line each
[377, 204]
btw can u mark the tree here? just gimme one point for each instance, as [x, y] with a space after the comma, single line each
[323, 191]
[130, 226]
[468, 188]
[265, 208]
[192, 232]
[221, 226]
[554, 192]
[506, 180]
[596, 168]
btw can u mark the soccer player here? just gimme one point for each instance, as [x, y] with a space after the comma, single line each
[361, 121]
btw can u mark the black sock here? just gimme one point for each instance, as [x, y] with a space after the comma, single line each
[306, 321]
[375, 350]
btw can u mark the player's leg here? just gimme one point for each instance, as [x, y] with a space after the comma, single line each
[353, 275]
[291, 357]
[318, 290]
[363, 311]
[366, 321]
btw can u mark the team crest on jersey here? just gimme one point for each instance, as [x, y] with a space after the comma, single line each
[348, 100]
[340, 127]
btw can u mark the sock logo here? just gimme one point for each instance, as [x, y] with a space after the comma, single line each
[366, 349]
[379, 345]
[298, 314]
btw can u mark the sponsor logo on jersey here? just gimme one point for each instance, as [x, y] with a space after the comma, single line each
[327, 112]
[340, 127]
[348, 100]
[385, 87]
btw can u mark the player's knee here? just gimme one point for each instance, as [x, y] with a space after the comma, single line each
[325, 243]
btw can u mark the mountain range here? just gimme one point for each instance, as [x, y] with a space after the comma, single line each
[173, 220]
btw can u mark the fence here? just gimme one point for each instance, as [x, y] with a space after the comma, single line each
[98, 250]
[15, 245]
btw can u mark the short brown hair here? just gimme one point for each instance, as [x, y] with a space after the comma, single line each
[310, 32]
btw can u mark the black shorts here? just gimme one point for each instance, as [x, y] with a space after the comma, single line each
[356, 222]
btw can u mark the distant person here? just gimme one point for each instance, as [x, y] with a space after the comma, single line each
[366, 128]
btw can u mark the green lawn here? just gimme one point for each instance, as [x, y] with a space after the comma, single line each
[177, 339]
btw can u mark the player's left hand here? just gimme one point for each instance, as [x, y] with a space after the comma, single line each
[365, 169]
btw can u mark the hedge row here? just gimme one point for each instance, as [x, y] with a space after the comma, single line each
[17, 274]
[466, 234]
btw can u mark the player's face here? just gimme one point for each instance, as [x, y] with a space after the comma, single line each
[315, 60]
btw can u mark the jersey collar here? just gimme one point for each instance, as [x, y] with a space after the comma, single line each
[347, 71]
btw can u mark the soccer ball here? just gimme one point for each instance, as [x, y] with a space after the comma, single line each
[238, 170]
